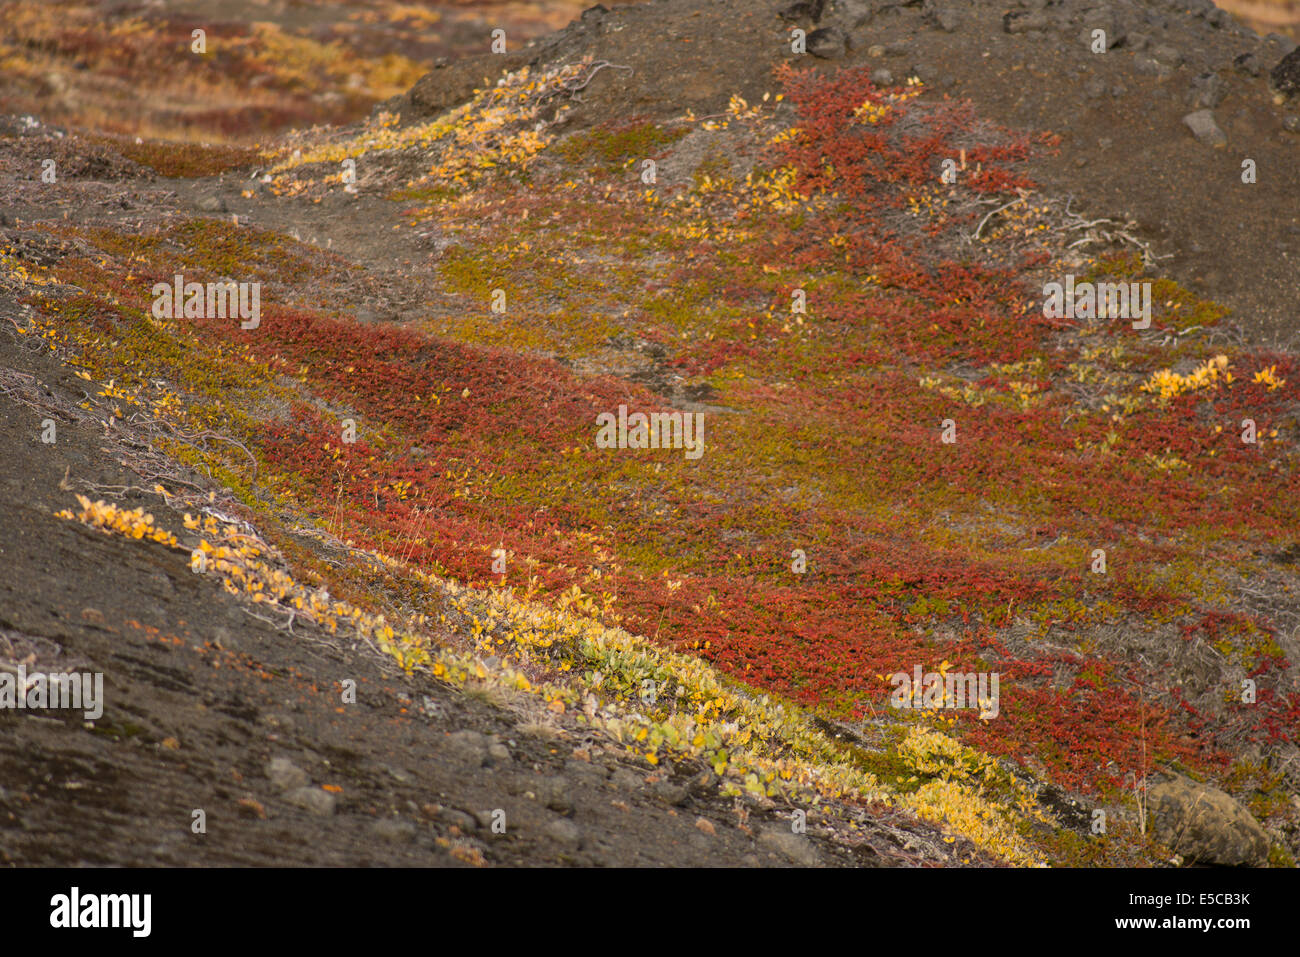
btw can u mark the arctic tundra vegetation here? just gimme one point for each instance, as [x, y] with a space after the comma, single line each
[356, 366]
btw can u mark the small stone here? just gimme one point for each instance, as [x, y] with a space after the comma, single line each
[1024, 22]
[947, 19]
[553, 792]
[458, 818]
[793, 847]
[313, 799]
[1248, 64]
[1218, 18]
[882, 77]
[1205, 825]
[703, 783]
[498, 752]
[397, 774]
[1168, 55]
[627, 780]
[876, 51]
[284, 775]
[1285, 77]
[852, 15]
[1291, 123]
[673, 794]
[1208, 91]
[796, 12]
[923, 72]
[1204, 128]
[393, 829]
[585, 771]
[212, 204]
[1283, 44]
[828, 43]
[469, 746]
[563, 831]
[1150, 66]
[705, 825]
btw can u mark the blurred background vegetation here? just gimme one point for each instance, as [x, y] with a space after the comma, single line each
[127, 68]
